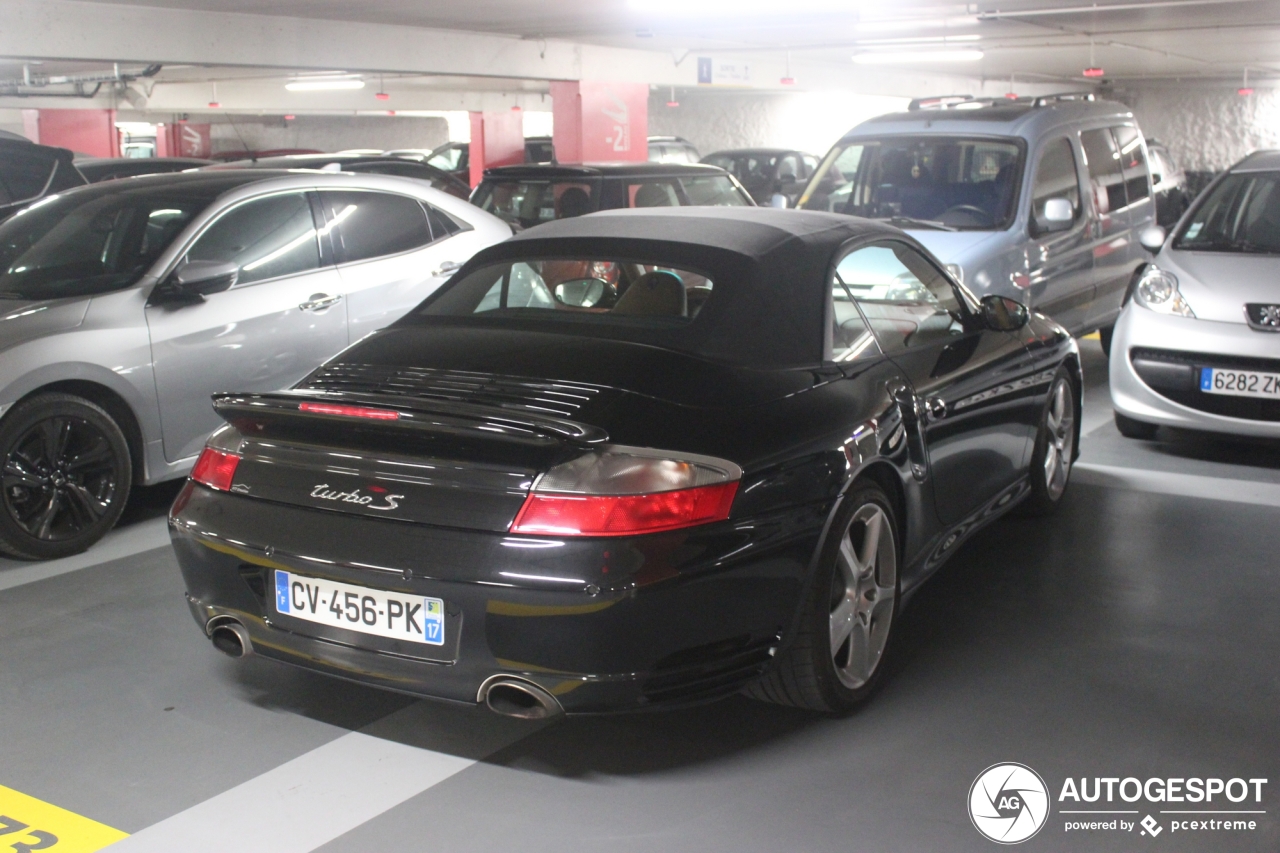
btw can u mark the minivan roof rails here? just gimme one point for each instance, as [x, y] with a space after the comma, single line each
[969, 102]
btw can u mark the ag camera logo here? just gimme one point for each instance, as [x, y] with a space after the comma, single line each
[1008, 803]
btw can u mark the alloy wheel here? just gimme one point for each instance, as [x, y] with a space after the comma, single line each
[59, 478]
[1060, 437]
[863, 590]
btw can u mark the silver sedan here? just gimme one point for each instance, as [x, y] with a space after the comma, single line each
[125, 305]
[1200, 338]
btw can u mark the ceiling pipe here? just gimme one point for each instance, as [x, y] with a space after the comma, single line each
[996, 15]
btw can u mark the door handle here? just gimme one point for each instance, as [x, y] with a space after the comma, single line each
[320, 301]
[908, 404]
[447, 266]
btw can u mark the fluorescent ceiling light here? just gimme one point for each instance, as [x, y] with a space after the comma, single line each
[890, 25]
[706, 8]
[904, 57]
[322, 85]
[920, 40]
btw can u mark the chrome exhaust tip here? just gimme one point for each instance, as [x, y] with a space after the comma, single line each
[512, 697]
[230, 637]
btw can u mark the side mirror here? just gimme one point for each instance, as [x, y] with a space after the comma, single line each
[195, 280]
[1152, 238]
[778, 200]
[1003, 314]
[1058, 214]
[586, 293]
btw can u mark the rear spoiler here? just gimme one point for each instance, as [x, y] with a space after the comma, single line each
[424, 416]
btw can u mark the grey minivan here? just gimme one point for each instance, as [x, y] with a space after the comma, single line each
[124, 305]
[1040, 199]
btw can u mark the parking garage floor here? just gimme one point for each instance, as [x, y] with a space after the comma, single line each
[1134, 634]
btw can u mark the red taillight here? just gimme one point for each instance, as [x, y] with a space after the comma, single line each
[623, 515]
[349, 411]
[215, 469]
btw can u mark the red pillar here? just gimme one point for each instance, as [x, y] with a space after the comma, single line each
[90, 132]
[497, 139]
[184, 139]
[600, 122]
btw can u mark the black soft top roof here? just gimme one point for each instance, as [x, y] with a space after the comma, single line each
[769, 269]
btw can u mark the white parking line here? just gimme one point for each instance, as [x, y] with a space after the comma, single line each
[311, 800]
[1182, 485]
[121, 542]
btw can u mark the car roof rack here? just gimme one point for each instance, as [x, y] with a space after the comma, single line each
[938, 102]
[1046, 100]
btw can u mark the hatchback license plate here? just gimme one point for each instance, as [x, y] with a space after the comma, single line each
[1240, 383]
[361, 609]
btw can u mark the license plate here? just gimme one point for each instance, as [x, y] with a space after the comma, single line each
[361, 609]
[1240, 383]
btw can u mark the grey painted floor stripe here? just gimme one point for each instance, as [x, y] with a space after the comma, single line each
[1185, 485]
[311, 800]
[121, 542]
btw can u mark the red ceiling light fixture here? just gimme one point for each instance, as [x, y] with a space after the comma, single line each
[1011, 94]
[673, 103]
[213, 102]
[1093, 70]
[1245, 89]
[381, 94]
[788, 80]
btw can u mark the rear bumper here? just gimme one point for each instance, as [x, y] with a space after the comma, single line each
[657, 620]
[1184, 344]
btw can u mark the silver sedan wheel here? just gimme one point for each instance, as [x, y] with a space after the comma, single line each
[862, 596]
[1060, 438]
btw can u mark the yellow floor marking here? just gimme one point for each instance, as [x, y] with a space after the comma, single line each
[1092, 336]
[30, 824]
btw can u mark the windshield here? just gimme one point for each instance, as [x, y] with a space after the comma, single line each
[89, 242]
[1240, 214]
[945, 182]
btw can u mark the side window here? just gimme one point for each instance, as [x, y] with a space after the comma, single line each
[25, 174]
[442, 224]
[1132, 163]
[1103, 159]
[906, 300]
[810, 165]
[1056, 177]
[790, 165]
[267, 237]
[653, 194]
[373, 224]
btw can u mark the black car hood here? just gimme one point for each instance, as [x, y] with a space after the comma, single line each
[659, 374]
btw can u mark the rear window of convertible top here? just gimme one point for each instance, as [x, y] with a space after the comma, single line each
[593, 291]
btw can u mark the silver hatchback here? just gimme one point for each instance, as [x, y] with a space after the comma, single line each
[125, 305]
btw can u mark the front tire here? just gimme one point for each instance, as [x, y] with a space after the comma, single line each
[65, 476]
[837, 658]
[1054, 451]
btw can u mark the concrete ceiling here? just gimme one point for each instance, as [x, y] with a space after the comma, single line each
[1029, 39]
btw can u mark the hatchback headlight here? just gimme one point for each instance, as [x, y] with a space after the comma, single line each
[1158, 290]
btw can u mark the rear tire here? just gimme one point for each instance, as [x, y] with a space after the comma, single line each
[1131, 428]
[1054, 451]
[836, 660]
[65, 474]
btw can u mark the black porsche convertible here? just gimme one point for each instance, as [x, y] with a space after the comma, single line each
[631, 460]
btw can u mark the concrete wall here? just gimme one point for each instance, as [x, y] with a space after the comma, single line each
[1207, 128]
[328, 133]
[810, 121]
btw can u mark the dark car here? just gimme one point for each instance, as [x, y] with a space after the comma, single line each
[360, 164]
[455, 157]
[1168, 185]
[629, 460]
[774, 176]
[29, 172]
[250, 154]
[526, 196]
[97, 169]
